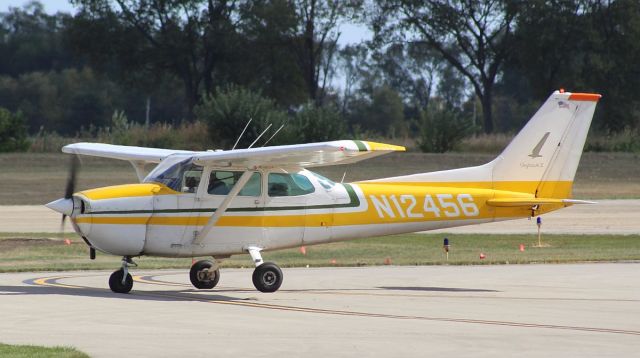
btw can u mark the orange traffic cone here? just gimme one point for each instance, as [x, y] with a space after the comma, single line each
[521, 247]
[303, 250]
[333, 261]
[387, 261]
[67, 242]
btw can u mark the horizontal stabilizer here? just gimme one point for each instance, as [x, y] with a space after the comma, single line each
[517, 202]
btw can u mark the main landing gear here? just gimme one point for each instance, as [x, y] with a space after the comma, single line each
[120, 280]
[204, 274]
[267, 276]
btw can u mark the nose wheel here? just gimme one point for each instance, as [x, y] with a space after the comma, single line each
[121, 281]
[204, 274]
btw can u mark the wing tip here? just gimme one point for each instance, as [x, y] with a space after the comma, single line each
[377, 146]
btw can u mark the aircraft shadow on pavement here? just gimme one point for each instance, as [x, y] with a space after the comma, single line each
[165, 296]
[436, 289]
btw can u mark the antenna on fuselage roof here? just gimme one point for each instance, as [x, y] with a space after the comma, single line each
[241, 134]
[273, 135]
[261, 134]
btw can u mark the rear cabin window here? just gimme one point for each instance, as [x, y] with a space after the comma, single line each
[285, 184]
[221, 182]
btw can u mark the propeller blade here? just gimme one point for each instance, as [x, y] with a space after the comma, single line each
[71, 180]
[62, 222]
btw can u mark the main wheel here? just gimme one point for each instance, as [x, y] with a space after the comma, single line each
[116, 285]
[267, 277]
[202, 276]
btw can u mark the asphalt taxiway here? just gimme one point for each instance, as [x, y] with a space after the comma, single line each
[518, 310]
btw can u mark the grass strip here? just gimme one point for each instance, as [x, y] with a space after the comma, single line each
[29, 351]
[46, 252]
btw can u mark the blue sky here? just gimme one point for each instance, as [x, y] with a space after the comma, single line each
[50, 6]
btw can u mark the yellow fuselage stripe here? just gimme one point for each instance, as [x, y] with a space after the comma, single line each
[402, 211]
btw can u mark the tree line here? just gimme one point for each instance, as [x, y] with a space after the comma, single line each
[431, 70]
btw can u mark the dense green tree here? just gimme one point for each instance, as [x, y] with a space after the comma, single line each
[264, 59]
[318, 124]
[317, 37]
[411, 69]
[13, 131]
[382, 114]
[580, 45]
[186, 38]
[442, 128]
[474, 36]
[32, 40]
[228, 111]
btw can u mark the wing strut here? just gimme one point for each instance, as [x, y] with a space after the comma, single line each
[244, 178]
[139, 165]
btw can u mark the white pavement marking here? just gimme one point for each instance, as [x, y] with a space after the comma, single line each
[619, 217]
[518, 310]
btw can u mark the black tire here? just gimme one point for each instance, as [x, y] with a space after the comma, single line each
[199, 275]
[267, 277]
[115, 282]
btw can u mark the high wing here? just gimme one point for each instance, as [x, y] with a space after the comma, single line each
[298, 155]
[122, 152]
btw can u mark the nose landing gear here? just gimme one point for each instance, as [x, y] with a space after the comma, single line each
[121, 281]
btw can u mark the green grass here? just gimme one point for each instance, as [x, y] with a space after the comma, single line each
[28, 351]
[412, 249]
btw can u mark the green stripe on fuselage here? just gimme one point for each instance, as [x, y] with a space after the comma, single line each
[354, 201]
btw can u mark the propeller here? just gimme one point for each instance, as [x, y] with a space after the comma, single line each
[65, 205]
[71, 185]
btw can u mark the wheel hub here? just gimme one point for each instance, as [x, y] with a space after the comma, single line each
[205, 275]
[269, 278]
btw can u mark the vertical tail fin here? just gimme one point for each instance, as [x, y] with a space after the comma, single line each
[541, 160]
[548, 149]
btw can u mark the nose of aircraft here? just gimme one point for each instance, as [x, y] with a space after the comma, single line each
[63, 206]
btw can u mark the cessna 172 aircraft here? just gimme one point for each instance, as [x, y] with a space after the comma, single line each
[223, 203]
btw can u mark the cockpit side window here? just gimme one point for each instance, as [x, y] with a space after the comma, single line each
[286, 184]
[191, 179]
[222, 181]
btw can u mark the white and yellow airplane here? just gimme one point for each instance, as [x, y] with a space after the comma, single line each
[223, 203]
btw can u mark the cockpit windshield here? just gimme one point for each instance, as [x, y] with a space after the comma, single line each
[325, 182]
[179, 174]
